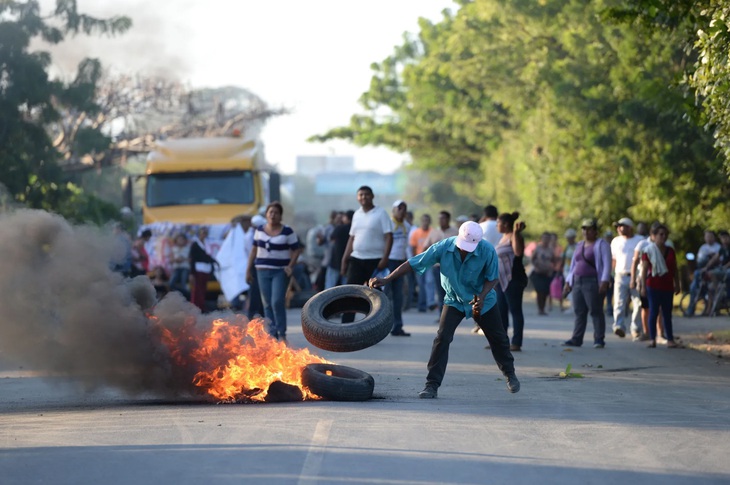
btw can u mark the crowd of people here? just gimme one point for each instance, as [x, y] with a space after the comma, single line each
[477, 268]
[630, 277]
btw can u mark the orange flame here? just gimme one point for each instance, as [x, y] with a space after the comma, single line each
[236, 361]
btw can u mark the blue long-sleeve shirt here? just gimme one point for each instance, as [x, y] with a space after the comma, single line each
[461, 280]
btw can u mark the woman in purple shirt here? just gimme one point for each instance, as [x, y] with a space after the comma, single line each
[590, 272]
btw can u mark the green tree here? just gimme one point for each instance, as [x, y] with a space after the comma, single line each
[548, 108]
[30, 100]
[701, 28]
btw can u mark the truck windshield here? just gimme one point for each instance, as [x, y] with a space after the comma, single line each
[193, 188]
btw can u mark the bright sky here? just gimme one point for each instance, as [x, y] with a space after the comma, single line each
[310, 56]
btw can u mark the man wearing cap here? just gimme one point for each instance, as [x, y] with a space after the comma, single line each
[623, 248]
[588, 278]
[469, 273]
[401, 229]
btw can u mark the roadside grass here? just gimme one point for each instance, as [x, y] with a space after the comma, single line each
[716, 342]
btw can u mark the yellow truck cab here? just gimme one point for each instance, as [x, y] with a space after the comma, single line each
[195, 182]
[204, 181]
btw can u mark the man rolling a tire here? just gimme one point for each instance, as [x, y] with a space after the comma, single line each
[469, 273]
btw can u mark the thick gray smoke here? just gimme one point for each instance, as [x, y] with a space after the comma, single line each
[63, 311]
[155, 46]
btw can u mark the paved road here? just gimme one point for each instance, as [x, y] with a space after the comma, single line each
[638, 416]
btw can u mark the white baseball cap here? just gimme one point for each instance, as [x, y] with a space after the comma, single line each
[258, 220]
[470, 233]
[625, 221]
[398, 203]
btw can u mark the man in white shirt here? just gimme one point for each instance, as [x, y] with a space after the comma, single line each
[371, 239]
[398, 256]
[706, 251]
[489, 225]
[412, 297]
[443, 231]
[623, 248]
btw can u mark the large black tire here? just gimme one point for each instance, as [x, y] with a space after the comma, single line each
[347, 337]
[342, 384]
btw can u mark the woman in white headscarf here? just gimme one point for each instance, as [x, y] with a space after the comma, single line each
[659, 282]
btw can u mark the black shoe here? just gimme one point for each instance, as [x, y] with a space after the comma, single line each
[400, 333]
[620, 332]
[513, 385]
[429, 392]
[515, 348]
[570, 343]
[433, 307]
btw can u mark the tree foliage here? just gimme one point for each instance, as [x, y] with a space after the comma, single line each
[30, 101]
[702, 30]
[550, 108]
[131, 112]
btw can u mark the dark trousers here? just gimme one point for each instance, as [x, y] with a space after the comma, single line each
[412, 292]
[359, 272]
[440, 292]
[586, 299]
[609, 298]
[491, 325]
[510, 302]
[660, 300]
[255, 305]
[395, 292]
[694, 291]
[200, 286]
[179, 281]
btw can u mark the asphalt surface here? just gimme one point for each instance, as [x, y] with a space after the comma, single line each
[637, 415]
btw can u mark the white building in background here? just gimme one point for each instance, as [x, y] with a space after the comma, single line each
[344, 183]
[313, 165]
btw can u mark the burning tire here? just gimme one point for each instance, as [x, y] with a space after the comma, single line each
[331, 335]
[338, 382]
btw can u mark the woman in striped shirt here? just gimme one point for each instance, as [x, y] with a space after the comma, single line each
[276, 249]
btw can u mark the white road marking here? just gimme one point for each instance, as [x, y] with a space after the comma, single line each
[315, 454]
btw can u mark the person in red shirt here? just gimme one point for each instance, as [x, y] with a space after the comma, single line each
[659, 282]
[140, 257]
[426, 288]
